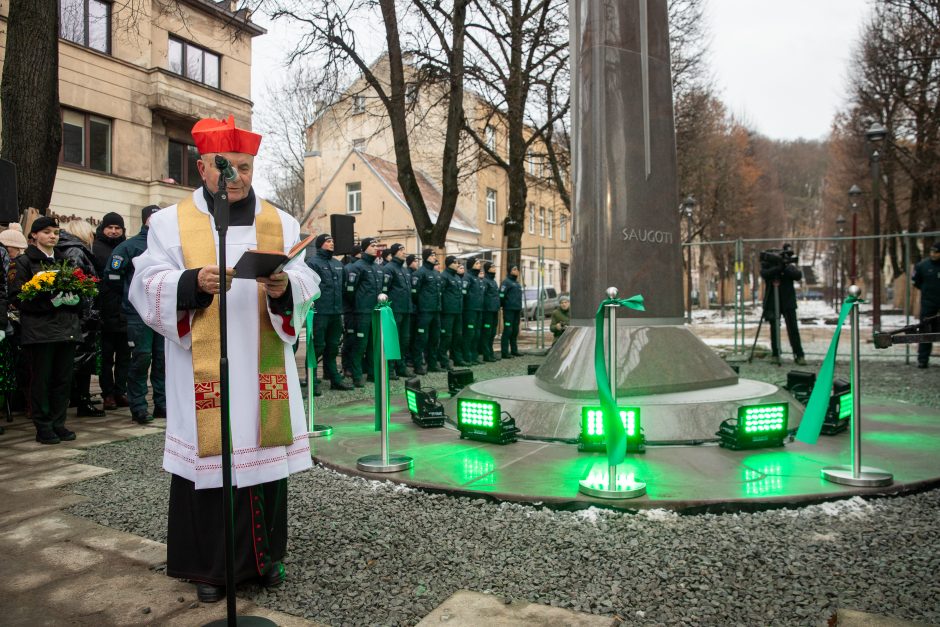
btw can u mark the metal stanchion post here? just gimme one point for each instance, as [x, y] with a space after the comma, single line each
[629, 488]
[907, 292]
[739, 293]
[856, 474]
[313, 430]
[383, 462]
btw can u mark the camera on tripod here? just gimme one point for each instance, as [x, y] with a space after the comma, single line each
[778, 258]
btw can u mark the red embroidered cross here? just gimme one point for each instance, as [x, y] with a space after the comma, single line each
[208, 395]
[273, 387]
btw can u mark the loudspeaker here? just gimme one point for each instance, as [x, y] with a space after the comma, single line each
[342, 230]
[9, 205]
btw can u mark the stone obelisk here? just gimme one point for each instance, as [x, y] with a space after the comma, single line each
[626, 208]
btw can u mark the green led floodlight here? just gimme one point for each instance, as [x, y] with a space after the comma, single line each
[592, 429]
[482, 420]
[412, 399]
[757, 426]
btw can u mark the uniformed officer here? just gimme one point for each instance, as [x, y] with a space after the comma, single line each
[328, 316]
[398, 287]
[426, 285]
[451, 309]
[364, 283]
[510, 297]
[490, 311]
[412, 263]
[474, 289]
[146, 345]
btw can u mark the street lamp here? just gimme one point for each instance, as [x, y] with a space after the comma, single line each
[876, 134]
[721, 269]
[840, 270]
[854, 193]
[688, 205]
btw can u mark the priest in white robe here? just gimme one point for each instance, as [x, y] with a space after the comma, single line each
[174, 289]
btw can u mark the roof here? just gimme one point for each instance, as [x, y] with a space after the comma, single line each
[388, 173]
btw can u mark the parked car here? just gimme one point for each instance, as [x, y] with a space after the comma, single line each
[530, 301]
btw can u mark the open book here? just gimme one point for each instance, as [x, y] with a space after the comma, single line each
[263, 263]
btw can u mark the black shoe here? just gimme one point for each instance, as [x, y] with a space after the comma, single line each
[340, 385]
[275, 576]
[87, 410]
[47, 437]
[109, 403]
[142, 419]
[506, 356]
[159, 412]
[303, 384]
[518, 354]
[490, 360]
[64, 434]
[922, 364]
[421, 369]
[317, 391]
[435, 369]
[207, 593]
[360, 382]
[462, 364]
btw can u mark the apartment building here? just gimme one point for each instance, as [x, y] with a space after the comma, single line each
[133, 79]
[350, 168]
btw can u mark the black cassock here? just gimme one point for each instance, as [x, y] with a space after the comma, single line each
[196, 533]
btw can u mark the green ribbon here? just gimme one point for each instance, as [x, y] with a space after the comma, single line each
[383, 321]
[613, 428]
[818, 405]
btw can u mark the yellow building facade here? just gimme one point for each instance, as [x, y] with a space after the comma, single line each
[349, 168]
[132, 82]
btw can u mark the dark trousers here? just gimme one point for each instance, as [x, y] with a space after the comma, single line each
[450, 337]
[793, 333]
[86, 364]
[488, 333]
[358, 330]
[327, 333]
[50, 382]
[510, 332]
[925, 348]
[403, 322]
[472, 321]
[427, 338]
[115, 360]
[147, 354]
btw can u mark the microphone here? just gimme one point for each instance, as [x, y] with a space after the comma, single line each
[225, 168]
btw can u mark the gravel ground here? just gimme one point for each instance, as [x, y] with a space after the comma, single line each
[372, 553]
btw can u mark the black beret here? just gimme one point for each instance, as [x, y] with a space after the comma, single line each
[43, 222]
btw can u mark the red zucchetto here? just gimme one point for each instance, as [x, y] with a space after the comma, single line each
[213, 136]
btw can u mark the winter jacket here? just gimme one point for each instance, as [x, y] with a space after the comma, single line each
[41, 322]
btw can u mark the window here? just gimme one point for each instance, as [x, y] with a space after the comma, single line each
[353, 197]
[359, 144]
[411, 93]
[181, 164]
[86, 140]
[86, 23]
[542, 221]
[489, 136]
[530, 161]
[193, 62]
[531, 218]
[551, 220]
[491, 206]
[359, 104]
[563, 228]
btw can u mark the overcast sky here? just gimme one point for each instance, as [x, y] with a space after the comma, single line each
[780, 65]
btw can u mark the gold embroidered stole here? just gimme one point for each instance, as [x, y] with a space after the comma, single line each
[199, 249]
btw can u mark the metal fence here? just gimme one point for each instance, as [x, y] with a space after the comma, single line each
[725, 280]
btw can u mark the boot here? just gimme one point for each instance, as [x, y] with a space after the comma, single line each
[86, 409]
[121, 400]
[109, 403]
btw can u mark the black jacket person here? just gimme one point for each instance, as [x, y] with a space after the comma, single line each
[398, 287]
[490, 311]
[115, 353]
[510, 297]
[779, 271]
[328, 316]
[474, 289]
[364, 282]
[426, 285]
[926, 278]
[451, 310]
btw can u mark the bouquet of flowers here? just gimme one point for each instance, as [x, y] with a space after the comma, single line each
[64, 282]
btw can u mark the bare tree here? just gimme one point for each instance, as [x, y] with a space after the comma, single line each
[31, 129]
[433, 32]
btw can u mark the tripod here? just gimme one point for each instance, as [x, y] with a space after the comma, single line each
[775, 323]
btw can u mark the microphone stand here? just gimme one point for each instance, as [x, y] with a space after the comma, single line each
[221, 215]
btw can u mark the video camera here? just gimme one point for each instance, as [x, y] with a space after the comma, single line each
[778, 257]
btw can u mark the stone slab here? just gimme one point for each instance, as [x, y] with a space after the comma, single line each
[471, 609]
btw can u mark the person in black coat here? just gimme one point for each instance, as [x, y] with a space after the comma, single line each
[926, 278]
[510, 297]
[426, 285]
[474, 289]
[364, 282]
[50, 329]
[451, 318]
[779, 270]
[328, 316]
[115, 353]
[398, 288]
[490, 311]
